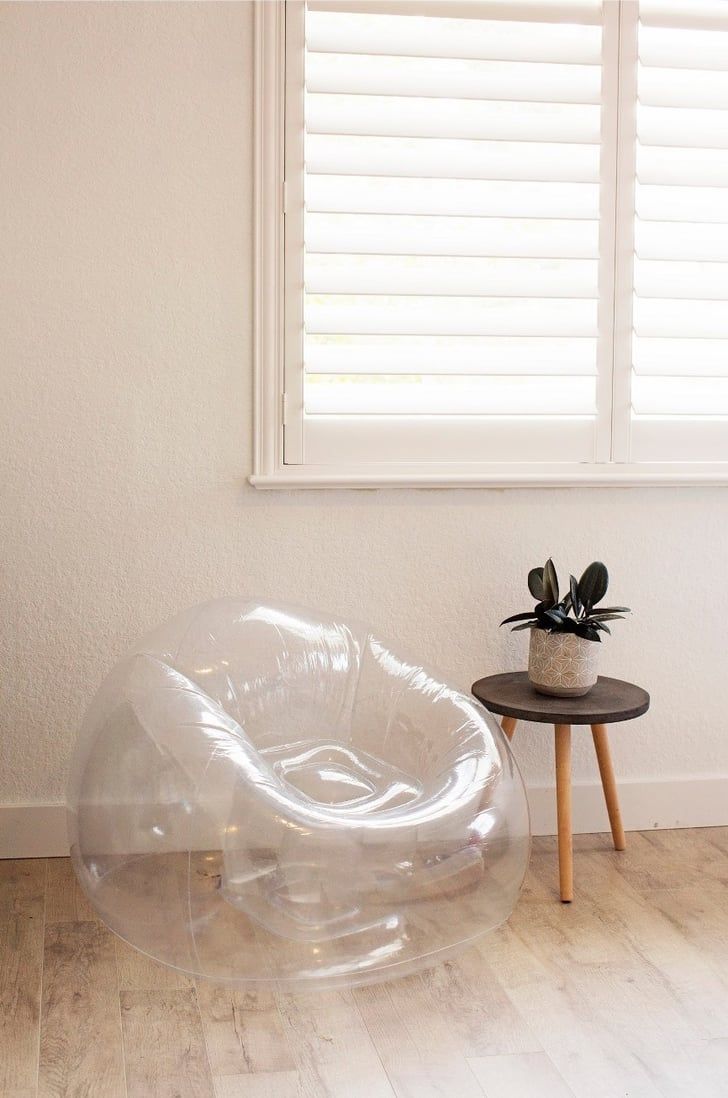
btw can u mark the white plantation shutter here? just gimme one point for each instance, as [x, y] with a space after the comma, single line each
[680, 345]
[443, 172]
[500, 254]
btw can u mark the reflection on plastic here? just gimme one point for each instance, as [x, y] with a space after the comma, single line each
[262, 794]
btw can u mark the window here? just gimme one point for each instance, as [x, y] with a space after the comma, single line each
[492, 243]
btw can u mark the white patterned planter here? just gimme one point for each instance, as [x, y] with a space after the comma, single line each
[562, 664]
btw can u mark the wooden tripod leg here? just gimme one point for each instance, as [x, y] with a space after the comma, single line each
[609, 785]
[563, 811]
[508, 724]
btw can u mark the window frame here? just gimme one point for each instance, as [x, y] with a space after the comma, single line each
[278, 404]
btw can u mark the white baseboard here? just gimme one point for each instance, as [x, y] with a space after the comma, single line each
[39, 830]
[33, 831]
[677, 802]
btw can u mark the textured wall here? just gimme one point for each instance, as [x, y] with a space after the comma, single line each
[125, 220]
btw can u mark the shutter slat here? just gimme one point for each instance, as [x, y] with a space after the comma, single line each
[452, 77]
[685, 127]
[538, 11]
[675, 279]
[342, 32]
[401, 235]
[451, 315]
[685, 396]
[677, 48]
[683, 87]
[681, 240]
[452, 197]
[401, 116]
[684, 167]
[677, 317]
[356, 274]
[686, 204]
[680, 357]
[685, 14]
[333, 154]
[442, 396]
[461, 354]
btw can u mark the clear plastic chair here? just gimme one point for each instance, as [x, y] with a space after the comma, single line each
[263, 794]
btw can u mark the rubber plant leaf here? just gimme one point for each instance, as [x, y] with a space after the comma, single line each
[550, 582]
[519, 617]
[535, 584]
[593, 585]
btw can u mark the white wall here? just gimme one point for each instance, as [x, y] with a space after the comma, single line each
[125, 199]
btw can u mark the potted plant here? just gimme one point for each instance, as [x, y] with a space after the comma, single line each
[563, 652]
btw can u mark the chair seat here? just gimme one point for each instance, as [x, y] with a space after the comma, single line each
[332, 773]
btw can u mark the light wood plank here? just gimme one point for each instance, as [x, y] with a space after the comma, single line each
[22, 889]
[673, 860]
[137, 972]
[332, 1049]
[674, 941]
[519, 1076]
[466, 992]
[243, 1030]
[65, 900]
[22, 886]
[80, 1050]
[590, 1059]
[659, 863]
[420, 1053]
[649, 988]
[164, 1048]
[274, 1084]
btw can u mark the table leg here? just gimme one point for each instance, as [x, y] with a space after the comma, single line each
[563, 811]
[606, 770]
[508, 724]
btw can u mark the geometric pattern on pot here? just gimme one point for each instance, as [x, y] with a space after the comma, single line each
[562, 664]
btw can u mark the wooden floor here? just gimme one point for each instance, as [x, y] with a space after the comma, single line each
[623, 993]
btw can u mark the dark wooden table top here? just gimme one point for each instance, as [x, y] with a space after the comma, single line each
[609, 701]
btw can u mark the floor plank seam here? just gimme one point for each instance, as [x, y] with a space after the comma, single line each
[121, 1024]
[205, 1044]
[369, 1034]
[42, 973]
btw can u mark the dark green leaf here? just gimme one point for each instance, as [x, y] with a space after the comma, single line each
[614, 610]
[593, 585]
[574, 594]
[525, 625]
[600, 625]
[535, 583]
[600, 616]
[550, 583]
[519, 617]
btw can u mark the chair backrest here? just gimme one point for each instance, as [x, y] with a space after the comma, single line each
[289, 675]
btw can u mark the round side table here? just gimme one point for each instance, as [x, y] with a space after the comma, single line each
[513, 698]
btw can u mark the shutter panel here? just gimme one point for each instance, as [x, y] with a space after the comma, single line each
[680, 306]
[449, 204]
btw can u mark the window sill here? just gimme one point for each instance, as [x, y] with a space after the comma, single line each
[566, 476]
